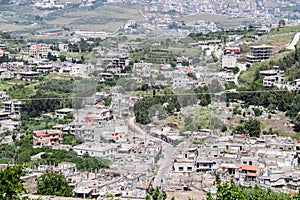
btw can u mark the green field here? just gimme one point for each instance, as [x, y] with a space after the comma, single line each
[5, 85]
[97, 18]
[156, 56]
[283, 30]
[103, 18]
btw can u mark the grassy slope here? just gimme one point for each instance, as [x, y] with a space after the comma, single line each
[275, 40]
[102, 18]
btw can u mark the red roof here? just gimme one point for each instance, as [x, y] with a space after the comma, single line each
[251, 174]
[40, 133]
[248, 167]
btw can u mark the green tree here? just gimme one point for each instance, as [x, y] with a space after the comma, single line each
[192, 75]
[109, 197]
[156, 194]
[63, 58]
[230, 191]
[107, 101]
[257, 112]
[296, 122]
[11, 185]
[253, 127]
[53, 184]
[236, 70]
[209, 196]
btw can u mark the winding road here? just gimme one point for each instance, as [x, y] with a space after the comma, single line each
[291, 46]
[169, 151]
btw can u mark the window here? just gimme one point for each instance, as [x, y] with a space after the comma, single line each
[189, 168]
[180, 169]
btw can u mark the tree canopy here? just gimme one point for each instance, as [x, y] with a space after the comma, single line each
[11, 185]
[53, 184]
[230, 191]
[251, 127]
[156, 194]
[142, 109]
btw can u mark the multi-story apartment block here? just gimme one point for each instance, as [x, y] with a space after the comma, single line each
[47, 137]
[39, 51]
[259, 53]
[273, 77]
[13, 107]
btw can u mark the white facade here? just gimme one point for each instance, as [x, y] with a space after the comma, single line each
[99, 150]
[228, 62]
[61, 113]
[81, 70]
[185, 166]
[13, 107]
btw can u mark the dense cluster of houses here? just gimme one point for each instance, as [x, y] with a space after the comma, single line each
[270, 161]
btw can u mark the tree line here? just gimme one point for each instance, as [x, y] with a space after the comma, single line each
[166, 102]
[142, 107]
[21, 151]
[230, 191]
[271, 98]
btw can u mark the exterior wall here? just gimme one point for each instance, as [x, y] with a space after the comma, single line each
[13, 107]
[101, 152]
[46, 138]
[184, 167]
[204, 166]
[228, 62]
[259, 53]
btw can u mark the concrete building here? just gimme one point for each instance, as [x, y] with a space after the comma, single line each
[184, 82]
[61, 113]
[63, 47]
[259, 53]
[47, 137]
[228, 62]
[81, 70]
[45, 68]
[100, 150]
[39, 51]
[247, 172]
[232, 50]
[13, 107]
[273, 77]
[28, 76]
[184, 166]
[4, 116]
[9, 125]
[110, 134]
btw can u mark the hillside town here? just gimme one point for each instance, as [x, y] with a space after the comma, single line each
[120, 114]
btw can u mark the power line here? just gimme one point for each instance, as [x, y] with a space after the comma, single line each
[223, 92]
[175, 94]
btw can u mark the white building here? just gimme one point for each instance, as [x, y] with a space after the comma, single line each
[39, 51]
[13, 107]
[81, 70]
[228, 62]
[184, 166]
[61, 113]
[101, 150]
